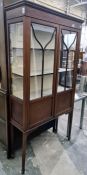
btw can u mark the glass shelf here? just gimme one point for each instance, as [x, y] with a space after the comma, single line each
[64, 70]
[18, 74]
[17, 48]
[38, 74]
[39, 49]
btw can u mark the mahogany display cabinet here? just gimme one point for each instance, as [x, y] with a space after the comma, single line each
[42, 56]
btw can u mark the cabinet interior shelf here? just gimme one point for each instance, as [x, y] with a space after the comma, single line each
[17, 48]
[50, 73]
[64, 70]
[39, 49]
[21, 75]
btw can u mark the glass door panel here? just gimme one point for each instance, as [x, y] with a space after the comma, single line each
[47, 84]
[36, 62]
[41, 59]
[48, 61]
[35, 87]
[16, 59]
[66, 62]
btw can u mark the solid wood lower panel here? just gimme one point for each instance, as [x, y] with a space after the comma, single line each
[63, 102]
[17, 110]
[40, 111]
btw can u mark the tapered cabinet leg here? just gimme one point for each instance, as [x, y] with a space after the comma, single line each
[82, 113]
[69, 125]
[24, 142]
[55, 125]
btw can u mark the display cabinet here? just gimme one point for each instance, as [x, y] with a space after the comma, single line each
[42, 56]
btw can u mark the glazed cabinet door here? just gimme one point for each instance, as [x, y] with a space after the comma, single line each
[42, 66]
[66, 70]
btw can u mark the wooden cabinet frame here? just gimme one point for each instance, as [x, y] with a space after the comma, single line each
[26, 114]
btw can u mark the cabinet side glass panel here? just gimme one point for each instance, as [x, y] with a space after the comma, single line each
[66, 62]
[16, 59]
[41, 60]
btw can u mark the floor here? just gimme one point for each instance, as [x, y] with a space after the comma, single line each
[52, 154]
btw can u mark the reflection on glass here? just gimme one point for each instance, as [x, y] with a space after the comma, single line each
[42, 57]
[16, 59]
[66, 64]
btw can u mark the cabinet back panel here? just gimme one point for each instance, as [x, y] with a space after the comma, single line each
[40, 111]
[17, 111]
[63, 102]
